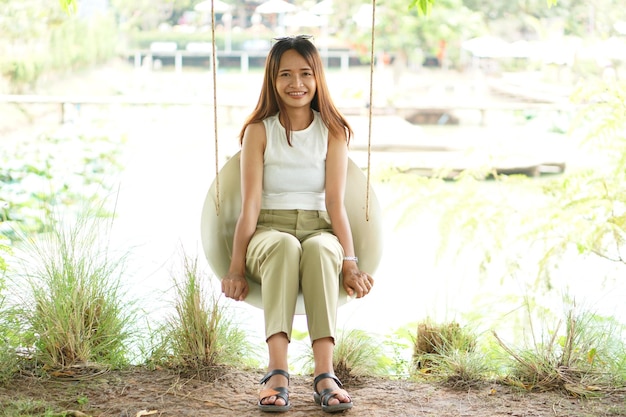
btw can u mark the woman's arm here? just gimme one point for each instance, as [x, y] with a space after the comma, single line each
[234, 284]
[354, 281]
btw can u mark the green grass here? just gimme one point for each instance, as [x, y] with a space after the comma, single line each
[448, 353]
[584, 356]
[9, 328]
[200, 335]
[357, 354]
[9, 360]
[77, 313]
[29, 408]
[457, 368]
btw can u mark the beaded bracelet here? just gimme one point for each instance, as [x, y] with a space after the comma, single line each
[351, 258]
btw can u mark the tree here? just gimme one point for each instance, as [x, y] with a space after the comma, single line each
[424, 6]
[38, 37]
[578, 17]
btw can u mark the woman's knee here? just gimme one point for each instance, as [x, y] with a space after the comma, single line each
[323, 245]
[284, 243]
[272, 241]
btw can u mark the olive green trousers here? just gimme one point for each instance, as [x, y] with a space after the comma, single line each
[295, 251]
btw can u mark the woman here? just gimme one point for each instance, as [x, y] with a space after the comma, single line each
[293, 232]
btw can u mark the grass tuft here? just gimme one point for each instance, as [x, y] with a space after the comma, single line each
[199, 336]
[8, 338]
[77, 316]
[447, 352]
[587, 360]
[439, 338]
[357, 354]
[30, 408]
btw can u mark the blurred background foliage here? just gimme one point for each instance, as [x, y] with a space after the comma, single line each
[41, 37]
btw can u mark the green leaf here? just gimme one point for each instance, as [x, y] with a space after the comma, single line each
[68, 6]
[423, 6]
[591, 355]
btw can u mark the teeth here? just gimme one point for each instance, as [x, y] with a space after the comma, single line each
[297, 94]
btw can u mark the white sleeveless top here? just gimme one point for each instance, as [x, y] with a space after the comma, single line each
[294, 176]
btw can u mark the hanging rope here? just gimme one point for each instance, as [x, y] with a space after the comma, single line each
[371, 94]
[370, 108]
[214, 70]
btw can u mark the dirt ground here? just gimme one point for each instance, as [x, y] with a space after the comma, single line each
[141, 392]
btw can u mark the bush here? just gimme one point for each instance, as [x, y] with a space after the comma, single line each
[23, 73]
[67, 45]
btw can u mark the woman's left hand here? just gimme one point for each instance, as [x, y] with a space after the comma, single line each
[356, 281]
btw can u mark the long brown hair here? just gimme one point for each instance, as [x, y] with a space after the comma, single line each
[269, 102]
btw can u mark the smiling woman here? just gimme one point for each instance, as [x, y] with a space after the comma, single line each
[296, 84]
[292, 236]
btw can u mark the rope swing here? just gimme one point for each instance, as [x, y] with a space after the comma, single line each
[221, 209]
[369, 112]
[216, 142]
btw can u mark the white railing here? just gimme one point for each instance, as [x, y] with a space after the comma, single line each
[341, 59]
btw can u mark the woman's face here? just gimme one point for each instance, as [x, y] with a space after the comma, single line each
[295, 82]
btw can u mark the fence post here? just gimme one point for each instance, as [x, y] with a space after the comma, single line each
[345, 62]
[245, 62]
[137, 60]
[178, 62]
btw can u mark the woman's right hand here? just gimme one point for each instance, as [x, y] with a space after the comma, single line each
[235, 286]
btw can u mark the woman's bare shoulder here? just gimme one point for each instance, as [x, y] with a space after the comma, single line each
[338, 139]
[255, 134]
[255, 127]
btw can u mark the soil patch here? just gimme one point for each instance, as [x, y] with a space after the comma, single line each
[139, 392]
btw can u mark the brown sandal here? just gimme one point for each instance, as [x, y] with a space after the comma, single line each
[280, 392]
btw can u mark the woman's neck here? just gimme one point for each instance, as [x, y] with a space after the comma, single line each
[300, 118]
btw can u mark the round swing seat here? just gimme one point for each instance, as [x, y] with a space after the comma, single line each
[217, 229]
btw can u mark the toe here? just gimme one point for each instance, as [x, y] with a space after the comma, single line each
[332, 400]
[338, 398]
[342, 398]
[273, 400]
